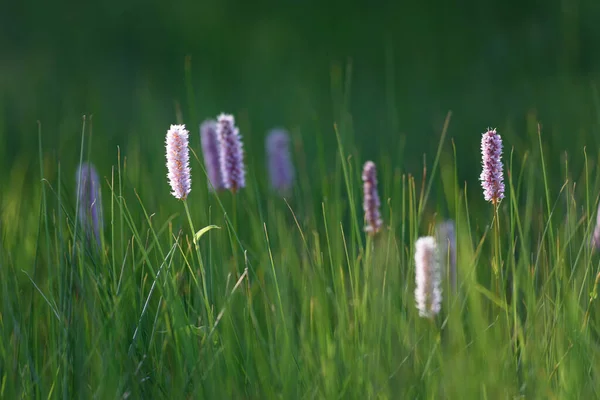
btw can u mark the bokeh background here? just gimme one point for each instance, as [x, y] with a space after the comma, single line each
[281, 63]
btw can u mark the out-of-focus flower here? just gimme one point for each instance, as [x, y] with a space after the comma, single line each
[89, 202]
[281, 169]
[446, 241]
[371, 201]
[231, 153]
[428, 291]
[210, 150]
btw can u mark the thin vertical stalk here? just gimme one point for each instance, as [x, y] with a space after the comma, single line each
[201, 264]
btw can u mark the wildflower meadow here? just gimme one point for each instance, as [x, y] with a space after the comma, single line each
[309, 231]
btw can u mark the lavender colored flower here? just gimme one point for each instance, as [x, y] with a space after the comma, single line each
[491, 176]
[596, 234]
[281, 169]
[178, 161]
[89, 201]
[210, 150]
[428, 291]
[446, 239]
[231, 154]
[371, 201]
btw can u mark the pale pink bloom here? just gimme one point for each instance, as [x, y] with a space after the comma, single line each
[371, 202]
[428, 278]
[178, 161]
[596, 235]
[446, 240]
[492, 173]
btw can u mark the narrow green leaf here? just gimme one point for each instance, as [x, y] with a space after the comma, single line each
[202, 231]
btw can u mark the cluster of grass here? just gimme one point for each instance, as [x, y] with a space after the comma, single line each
[289, 298]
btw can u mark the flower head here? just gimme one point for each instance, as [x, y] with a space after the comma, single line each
[596, 235]
[371, 201]
[210, 150]
[231, 156]
[446, 239]
[89, 201]
[491, 176]
[281, 169]
[428, 291]
[178, 161]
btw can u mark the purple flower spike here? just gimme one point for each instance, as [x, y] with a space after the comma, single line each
[428, 278]
[231, 156]
[446, 239]
[371, 199]
[178, 161]
[89, 201]
[491, 176]
[281, 169]
[210, 150]
[596, 234]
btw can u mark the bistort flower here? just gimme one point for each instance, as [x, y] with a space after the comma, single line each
[492, 173]
[210, 150]
[281, 169]
[596, 234]
[371, 201]
[89, 202]
[231, 153]
[446, 240]
[178, 161]
[428, 291]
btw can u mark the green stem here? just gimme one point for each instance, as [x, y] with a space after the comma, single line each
[366, 272]
[234, 207]
[234, 229]
[201, 263]
[497, 260]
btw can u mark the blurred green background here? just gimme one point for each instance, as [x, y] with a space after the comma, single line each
[270, 63]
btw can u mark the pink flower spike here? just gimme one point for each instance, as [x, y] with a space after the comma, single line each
[371, 201]
[231, 153]
[596, 234]
[210, 151]
[178, 161]
[428, 278]
[492, 173]
[446, 240]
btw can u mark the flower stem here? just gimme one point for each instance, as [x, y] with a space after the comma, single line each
[201, 263]
[497, 258]
[234, 207]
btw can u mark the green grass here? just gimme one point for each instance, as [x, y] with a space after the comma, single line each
[289, 299]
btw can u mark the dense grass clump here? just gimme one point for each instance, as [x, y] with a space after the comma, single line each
[249, 294]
